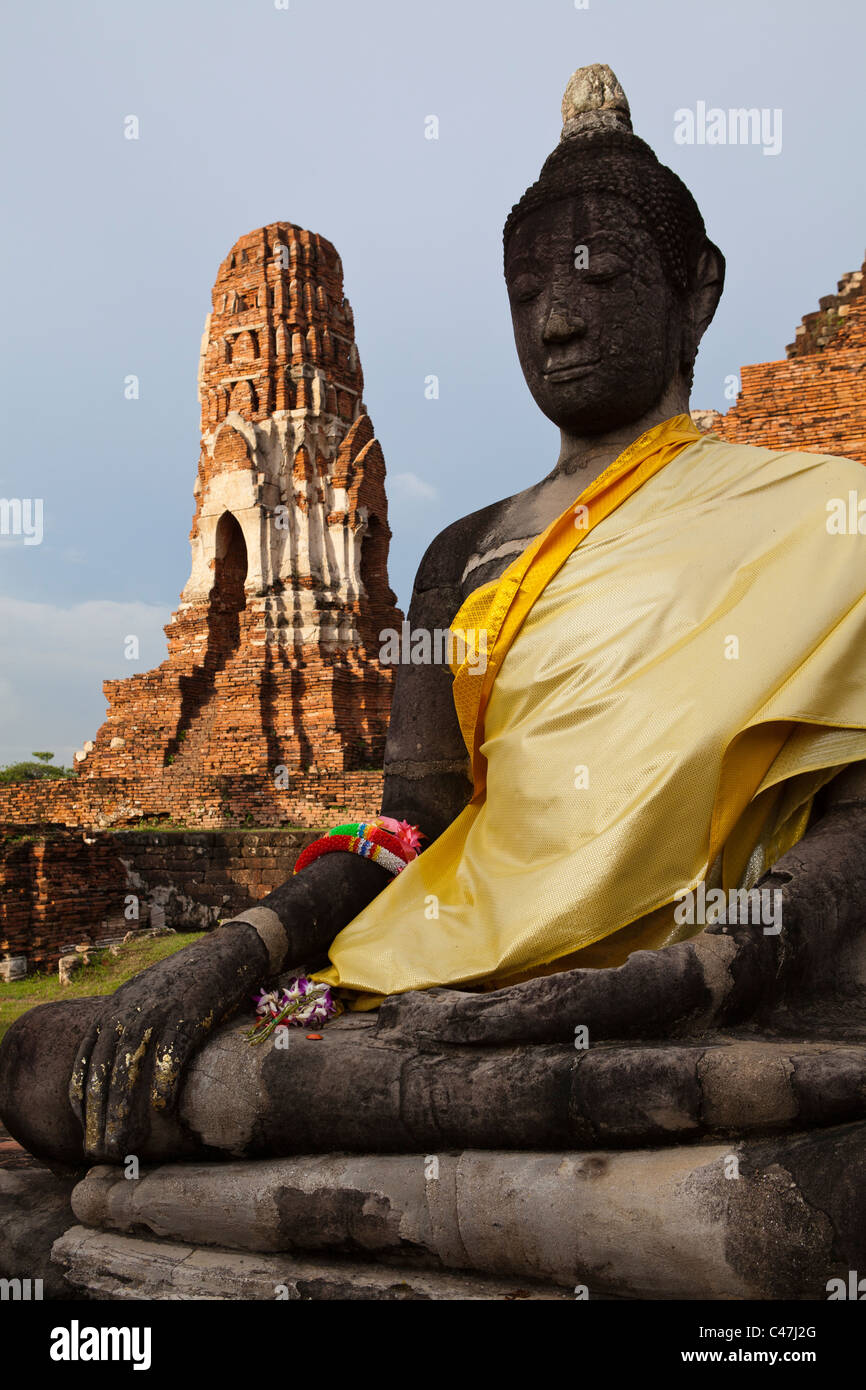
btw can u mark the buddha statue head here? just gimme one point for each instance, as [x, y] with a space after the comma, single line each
[611, 276]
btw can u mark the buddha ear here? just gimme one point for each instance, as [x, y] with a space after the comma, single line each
[702, 304]
[709, 283]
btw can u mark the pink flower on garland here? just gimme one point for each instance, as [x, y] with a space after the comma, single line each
[410, 836]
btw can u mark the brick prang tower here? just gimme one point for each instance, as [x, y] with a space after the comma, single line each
[273, 651]
[814, 399]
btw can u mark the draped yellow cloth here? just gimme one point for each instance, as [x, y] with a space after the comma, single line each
[672, 671]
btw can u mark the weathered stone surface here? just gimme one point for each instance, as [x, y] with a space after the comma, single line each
[34, 1211]
[69, 966]
[110, 1266]
[775, 1218]
[13, 968]
[520, 1097]
[594, 100]
[627, 1221]
[361, 1092]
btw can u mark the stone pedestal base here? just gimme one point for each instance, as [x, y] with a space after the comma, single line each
[773, 1218]
[105, 1265]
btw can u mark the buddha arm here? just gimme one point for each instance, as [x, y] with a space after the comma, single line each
[427, 776]
[847, 788]
[427, 783]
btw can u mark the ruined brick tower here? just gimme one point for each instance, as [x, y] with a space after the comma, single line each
[273, 651]
[815, 399]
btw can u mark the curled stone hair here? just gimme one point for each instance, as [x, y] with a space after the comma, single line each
[599, 153]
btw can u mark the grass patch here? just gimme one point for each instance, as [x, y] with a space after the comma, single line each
[102, 977]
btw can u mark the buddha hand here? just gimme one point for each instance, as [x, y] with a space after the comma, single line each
[129, 1068]
[797, 971]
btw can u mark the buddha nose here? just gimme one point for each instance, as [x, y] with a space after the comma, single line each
[562, 325]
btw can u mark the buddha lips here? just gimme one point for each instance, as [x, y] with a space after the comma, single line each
[390, 843]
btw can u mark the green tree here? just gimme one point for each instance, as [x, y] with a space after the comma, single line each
[33, 772]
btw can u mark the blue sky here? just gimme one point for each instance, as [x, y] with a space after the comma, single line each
[316, 114]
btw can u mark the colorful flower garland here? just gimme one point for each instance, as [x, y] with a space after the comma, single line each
[303, 1003]
[392, 844]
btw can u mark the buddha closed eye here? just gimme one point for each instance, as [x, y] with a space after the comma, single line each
[526, 279]
[603, 257]
[593, 261]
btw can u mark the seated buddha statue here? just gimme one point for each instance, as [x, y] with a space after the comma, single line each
[656, 721]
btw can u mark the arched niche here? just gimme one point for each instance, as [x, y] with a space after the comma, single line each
[230, 565]
[374, 558]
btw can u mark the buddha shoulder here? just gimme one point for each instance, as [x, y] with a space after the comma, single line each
[476, 548]
[473, 549]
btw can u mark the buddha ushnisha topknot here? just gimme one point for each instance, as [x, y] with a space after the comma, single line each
[599, 153]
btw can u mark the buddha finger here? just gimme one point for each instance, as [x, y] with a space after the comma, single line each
[172, 1053]
[679, 989]
[78, 1079]
[125, 1102]
[97, 1086]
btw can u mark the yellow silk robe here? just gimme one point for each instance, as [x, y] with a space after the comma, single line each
[672, 671]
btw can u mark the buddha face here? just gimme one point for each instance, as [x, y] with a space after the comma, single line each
[598, 328]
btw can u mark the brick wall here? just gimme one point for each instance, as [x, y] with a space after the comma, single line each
[219, 802]
[59, 887]
[54, 890]
[815, 400]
